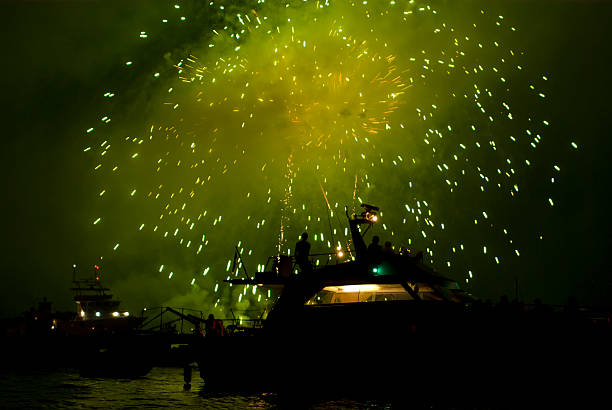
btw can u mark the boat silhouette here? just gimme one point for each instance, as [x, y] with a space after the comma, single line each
[390, 324]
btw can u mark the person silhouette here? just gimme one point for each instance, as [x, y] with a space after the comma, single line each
[302, 252]
[388, 249]
[375, 250]
[213, 327]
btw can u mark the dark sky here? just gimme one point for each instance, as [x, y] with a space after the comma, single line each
[59, 57]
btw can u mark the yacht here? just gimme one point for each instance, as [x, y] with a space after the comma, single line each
[339, 324]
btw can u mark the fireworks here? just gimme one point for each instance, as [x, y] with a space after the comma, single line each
[285, 114]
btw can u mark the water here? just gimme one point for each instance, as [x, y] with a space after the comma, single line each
[161, 388]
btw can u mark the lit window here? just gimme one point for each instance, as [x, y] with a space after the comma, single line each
[359, 294]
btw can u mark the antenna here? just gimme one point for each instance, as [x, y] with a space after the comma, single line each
[238, 258]
[368, 216]
[329, 210]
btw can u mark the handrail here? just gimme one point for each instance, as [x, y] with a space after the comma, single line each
[183, 314]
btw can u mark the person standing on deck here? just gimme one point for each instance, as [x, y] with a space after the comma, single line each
[302, 252]
[375, 250]
[388, 249]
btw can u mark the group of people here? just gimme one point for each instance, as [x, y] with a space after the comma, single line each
[302, 251]
[212, 327]
[375, 250]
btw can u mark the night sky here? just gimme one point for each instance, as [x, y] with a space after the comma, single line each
[480, 128]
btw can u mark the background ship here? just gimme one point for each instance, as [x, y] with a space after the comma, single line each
[98, 338]
[97, 312]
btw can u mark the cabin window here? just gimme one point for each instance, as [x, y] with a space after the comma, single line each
[359, 294]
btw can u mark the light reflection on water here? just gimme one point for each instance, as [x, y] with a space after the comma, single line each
[161, 388]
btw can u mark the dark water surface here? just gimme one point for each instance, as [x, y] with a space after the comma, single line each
[161, 388]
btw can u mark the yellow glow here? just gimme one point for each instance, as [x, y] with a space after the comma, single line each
[115, 314]
[342, 99]
[352, 288]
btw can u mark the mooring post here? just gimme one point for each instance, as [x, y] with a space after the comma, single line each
[187, 376]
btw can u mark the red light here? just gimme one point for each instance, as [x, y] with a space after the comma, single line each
[96, 267]
[97, 278]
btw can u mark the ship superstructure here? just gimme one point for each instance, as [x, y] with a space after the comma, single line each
[97, 312]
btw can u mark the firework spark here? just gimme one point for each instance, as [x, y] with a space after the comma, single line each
[284, 115]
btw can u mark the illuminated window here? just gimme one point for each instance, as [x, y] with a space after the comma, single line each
[359, 294]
